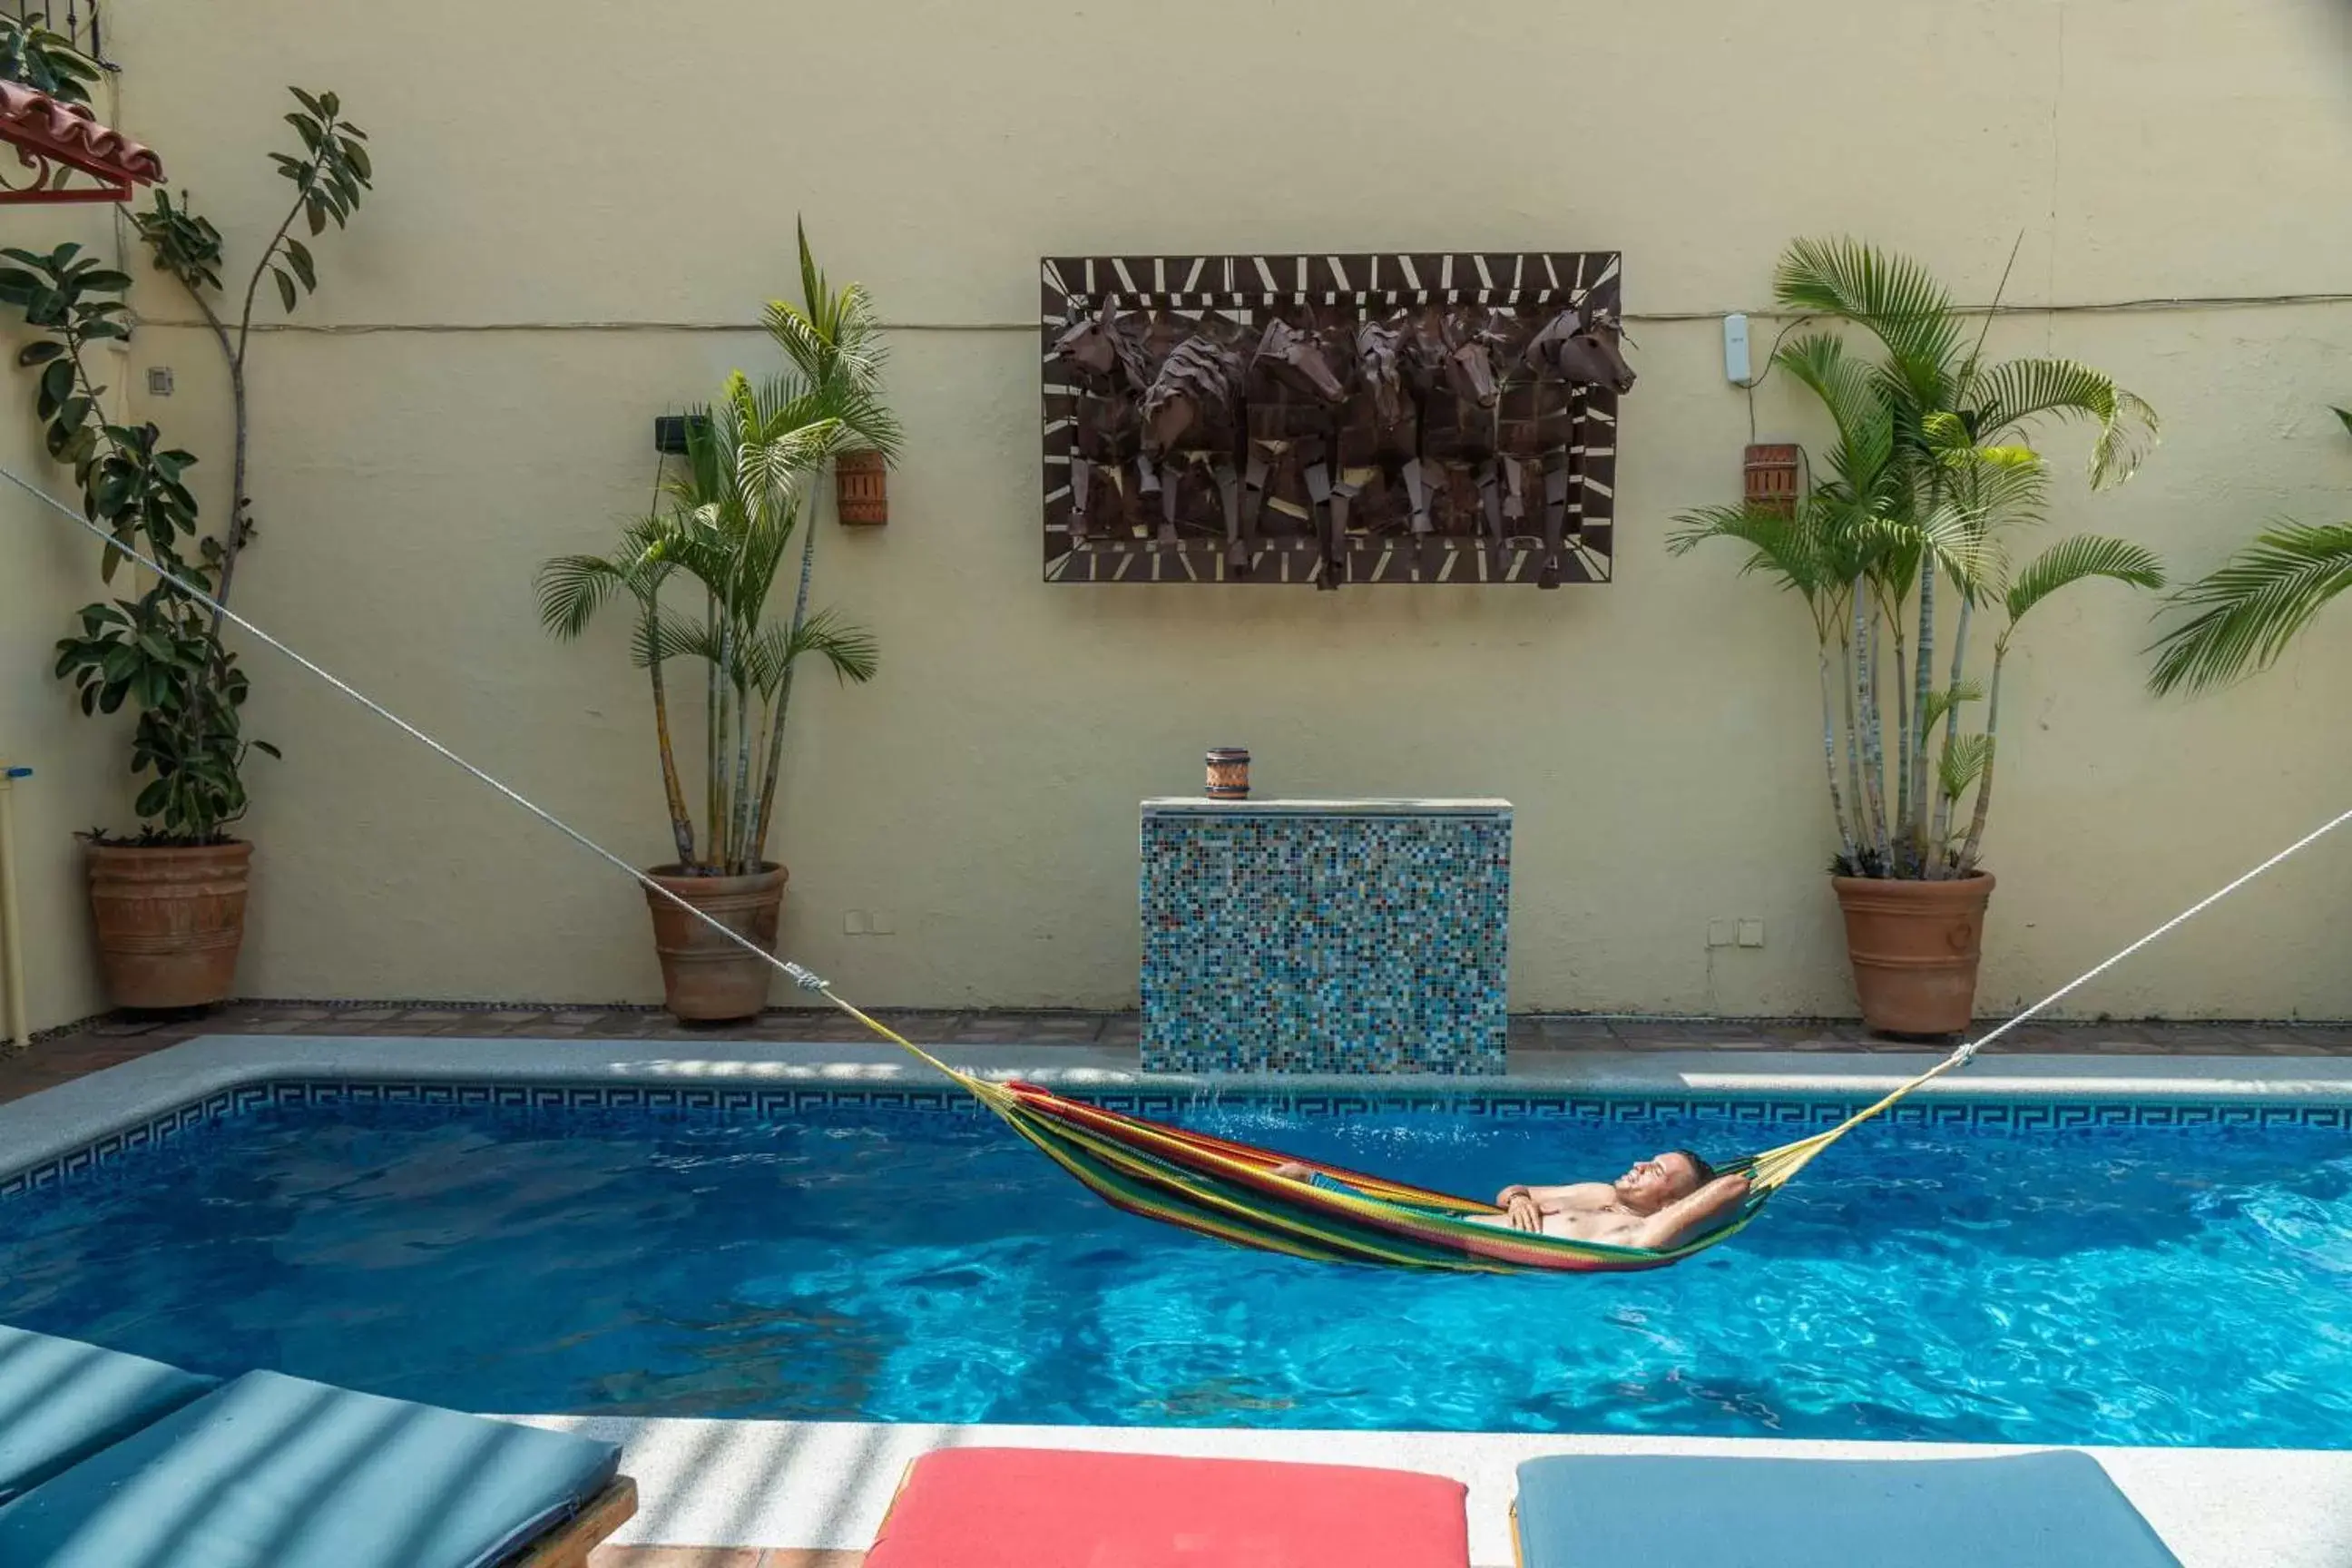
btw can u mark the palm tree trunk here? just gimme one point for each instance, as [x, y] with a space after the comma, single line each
[784, 683]
[739, 803]
[1853, 743]
[1829, 753]
[1873, 753]
[719, 738]
[1915, 738]
[712, 739]
[1939, 845]
[1967, 859]
[681, 824]
[1902, 779]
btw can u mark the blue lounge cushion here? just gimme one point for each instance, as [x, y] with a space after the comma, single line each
[272, 1471]
[62, 1401]
[2050, 1509]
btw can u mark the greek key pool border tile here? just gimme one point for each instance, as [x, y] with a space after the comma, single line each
[1785, 1115]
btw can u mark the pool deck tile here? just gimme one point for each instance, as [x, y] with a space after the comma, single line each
[1538, 1041]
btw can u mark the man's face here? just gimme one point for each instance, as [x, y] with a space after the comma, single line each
[1655, 1182]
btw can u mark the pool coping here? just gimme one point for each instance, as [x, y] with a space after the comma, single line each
[42, 1130]
[819, 1485]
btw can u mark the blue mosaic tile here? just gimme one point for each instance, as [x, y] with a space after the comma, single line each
[1772, 1121]
[1341, 943]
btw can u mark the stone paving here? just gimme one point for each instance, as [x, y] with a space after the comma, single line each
[104, 1042]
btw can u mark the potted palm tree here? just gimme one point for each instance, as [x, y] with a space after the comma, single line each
[1901, 550]
[2241, 615]
[744, 497]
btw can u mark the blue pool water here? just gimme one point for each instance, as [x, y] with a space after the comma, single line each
[2117, 1285]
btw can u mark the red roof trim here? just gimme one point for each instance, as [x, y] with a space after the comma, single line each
[45, 130]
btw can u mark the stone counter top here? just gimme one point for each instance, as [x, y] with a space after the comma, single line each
[1200, 805]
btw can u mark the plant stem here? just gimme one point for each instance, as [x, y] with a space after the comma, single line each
[811, 511]
[713, 737]
[239, 503]
[1829, 753]
[739, 803]
[1922, 682]
[1939, 844]
[1874, 745]
[1965, 861]
[681, 824]
[1853, 739]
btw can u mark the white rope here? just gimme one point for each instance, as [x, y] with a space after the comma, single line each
[1968, 1051]
[809, 982]
[799, 975]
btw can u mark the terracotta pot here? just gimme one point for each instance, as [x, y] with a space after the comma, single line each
[705, 977]
[1915, 947]
[170, 921]
[861, 490]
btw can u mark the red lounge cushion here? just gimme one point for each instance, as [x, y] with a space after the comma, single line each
[1040, 1507]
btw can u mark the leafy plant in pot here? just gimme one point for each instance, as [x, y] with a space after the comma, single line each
[743, 498]
[1901, 553]
[169, 901]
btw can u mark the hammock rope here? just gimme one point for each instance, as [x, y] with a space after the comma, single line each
[1211, 1186]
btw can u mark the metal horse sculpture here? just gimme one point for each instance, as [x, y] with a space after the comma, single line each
[1542, 430]
[1379, 429]
[1191, 419]
[1111, 361]
[1291, 398]
[1451, 365]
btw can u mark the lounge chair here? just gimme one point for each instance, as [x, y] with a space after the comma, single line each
[145, 1470]
[2052, 1509]
[1039, 1508]
[61, 1401]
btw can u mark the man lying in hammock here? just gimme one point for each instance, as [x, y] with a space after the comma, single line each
[1660, 1203]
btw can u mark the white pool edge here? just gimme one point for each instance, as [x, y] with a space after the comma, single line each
[826, 1484]
[72, 1116]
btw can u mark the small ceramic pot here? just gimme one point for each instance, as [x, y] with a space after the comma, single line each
[1229, 774]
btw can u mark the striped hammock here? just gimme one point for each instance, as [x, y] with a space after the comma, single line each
[1229, 1191]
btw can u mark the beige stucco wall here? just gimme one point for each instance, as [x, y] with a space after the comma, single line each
[48, 568]
[564, 185]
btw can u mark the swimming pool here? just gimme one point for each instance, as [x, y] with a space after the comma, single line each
[2124, 1284]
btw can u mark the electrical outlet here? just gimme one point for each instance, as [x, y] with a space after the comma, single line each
[159, 380]
[853, 922]
[881, 924]
[1719, 934]
[1751, 933]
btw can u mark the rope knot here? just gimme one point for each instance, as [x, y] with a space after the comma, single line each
[807, 980]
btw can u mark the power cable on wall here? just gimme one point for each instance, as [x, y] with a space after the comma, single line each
[2156, 302]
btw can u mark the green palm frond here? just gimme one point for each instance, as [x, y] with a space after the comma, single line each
[1944, 700]
[1895, 299]
[661, 635]
[2085, 555]
[1849, 390]
[1787, 547]
[2251, 606]
[2016, 392]
[851, 650]
[1962, 763]
[571, 589]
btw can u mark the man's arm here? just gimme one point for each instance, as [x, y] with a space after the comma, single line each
[1702, 1211]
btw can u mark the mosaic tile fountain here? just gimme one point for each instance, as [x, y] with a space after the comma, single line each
[1325, 936]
